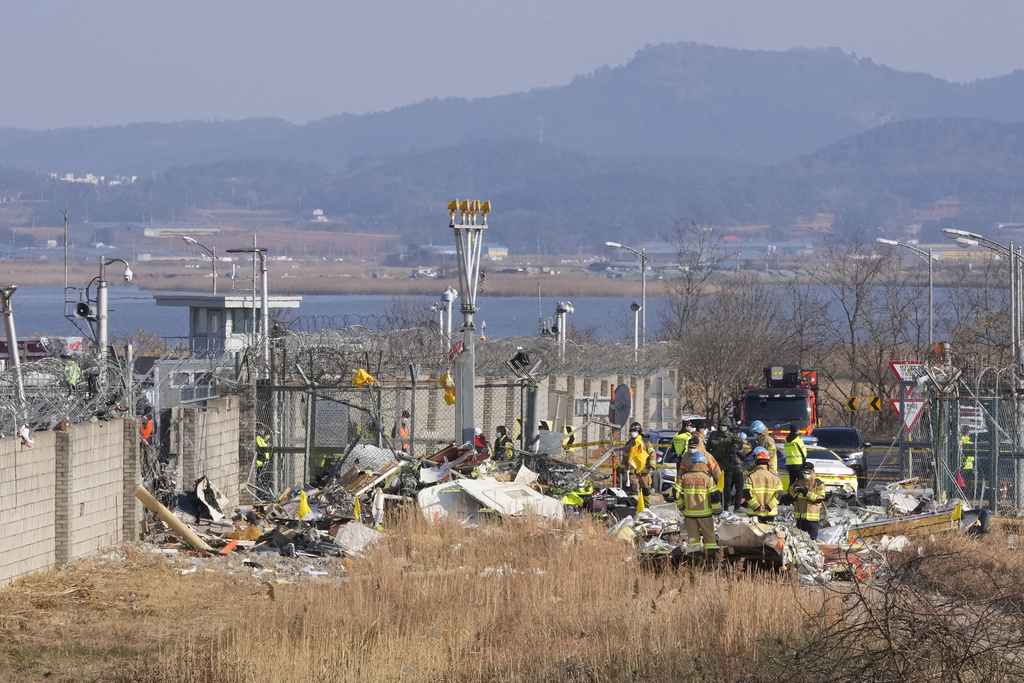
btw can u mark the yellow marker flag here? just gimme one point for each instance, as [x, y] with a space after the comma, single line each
[640, 507]
[362, 378]
[358, 515]
[303, 505]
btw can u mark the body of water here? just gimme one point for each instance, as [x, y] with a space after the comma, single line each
[40, 311]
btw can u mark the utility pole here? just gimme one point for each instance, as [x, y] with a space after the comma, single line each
[468, 242]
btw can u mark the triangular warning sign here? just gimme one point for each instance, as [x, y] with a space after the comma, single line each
[914, 406]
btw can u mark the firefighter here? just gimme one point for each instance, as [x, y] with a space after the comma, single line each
[640, 459]
[401, 430]
[762, 489]
[808, 493]
[764, 440]
[796, 454]
[504, 447]
[967, 468]
[699, 499]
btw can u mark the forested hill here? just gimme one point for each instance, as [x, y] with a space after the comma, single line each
[561, 201]
[672, 99]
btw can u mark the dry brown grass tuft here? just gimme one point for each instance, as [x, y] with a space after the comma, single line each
[947, 608]
[516, 602]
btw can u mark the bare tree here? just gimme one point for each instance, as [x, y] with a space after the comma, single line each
[735, 337]
[700, 256]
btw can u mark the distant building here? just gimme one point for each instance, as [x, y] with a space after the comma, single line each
[319, 217]
[223, 323]
[496, 252]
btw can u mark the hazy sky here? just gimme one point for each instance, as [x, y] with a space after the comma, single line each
[103, 62]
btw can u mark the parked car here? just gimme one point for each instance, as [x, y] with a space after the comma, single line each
[828, 468]
[847, 443]
[668, 460]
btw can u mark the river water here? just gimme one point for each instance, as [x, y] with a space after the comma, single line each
[40, 311]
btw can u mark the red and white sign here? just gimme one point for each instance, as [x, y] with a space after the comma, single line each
[907, 371]
[914, 408]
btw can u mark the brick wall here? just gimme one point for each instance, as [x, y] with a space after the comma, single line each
[90, 488]
[27, 490]
[209, 444]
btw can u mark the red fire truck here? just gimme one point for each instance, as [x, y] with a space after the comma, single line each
[788, 397]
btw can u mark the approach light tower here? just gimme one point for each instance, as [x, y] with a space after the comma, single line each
[468, 241]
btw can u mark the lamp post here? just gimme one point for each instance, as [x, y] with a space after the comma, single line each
[973, 239]
[636, 308]
[468, 244]
[561, 309]
[13, 352]
[260, 252]
[211, 252]
[929, 259]
[101, 303]
[642, 257]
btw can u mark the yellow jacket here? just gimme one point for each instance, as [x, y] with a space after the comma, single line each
[695, 492]
[762, 489]
[809, 494]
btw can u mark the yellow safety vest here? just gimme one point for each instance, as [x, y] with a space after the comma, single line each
[796, 452]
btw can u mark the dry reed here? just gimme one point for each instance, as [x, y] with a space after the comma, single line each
[514, 602]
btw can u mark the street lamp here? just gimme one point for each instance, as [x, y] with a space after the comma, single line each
[211, 252]
[561, 309]
[929, 259]
[973, 239]
[101, 303]
[636, 308]
[643, 284]
[260, 252]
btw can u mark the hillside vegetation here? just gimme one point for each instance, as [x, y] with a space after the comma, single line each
[681, 132]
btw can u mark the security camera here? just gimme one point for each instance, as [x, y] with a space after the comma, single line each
[128, 274]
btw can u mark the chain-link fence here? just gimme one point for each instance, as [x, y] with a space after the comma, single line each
[312, 429]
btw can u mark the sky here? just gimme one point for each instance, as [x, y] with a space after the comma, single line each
[110, 62]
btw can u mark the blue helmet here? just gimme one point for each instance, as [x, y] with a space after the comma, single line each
[743, 435]
[697, 456]
[757, 426]
[761, 455]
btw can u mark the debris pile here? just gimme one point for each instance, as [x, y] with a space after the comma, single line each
[344, 516]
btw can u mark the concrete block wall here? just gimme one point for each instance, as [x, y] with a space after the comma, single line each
[89, 504]
[209, 444]
[27, 489]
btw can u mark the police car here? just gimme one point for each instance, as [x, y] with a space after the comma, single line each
[828, 467]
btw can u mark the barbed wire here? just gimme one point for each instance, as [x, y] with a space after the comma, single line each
[73, 391]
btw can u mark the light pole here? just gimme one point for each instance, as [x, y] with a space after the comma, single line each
[643, 285]
[211, 252]
[13, 352]
[636, 308]
[468, 244]
[929, 259]
[973, 239]
[260, 252]
[101, 303]
[561, 309]
[448, 296]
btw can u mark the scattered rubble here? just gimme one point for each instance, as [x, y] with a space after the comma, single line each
[303, 529]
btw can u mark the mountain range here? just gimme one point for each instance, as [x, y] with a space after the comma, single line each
[681, 132]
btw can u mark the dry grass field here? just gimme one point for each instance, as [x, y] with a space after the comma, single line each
[515, 602]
